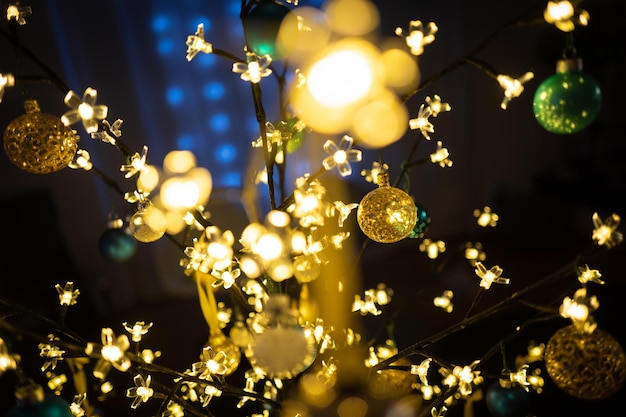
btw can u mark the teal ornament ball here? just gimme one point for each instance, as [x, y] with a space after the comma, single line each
[422, 223]
[567, 101]
[507, 402]
[261, 26]
[50, 406]
[117, 245]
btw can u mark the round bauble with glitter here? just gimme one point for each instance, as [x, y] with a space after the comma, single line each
[33, 402]
[504, 401]
[148, 224]
[590, 366]
[569, 100]
[39, 143]
[117, 244]
[261, 25]
[280, 347]
[386, 214]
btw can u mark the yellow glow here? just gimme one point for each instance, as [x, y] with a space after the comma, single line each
[179, 162]
[249, 267]
[302, 32]
[204, 181]
[85, 111]
[175, 223]
[148, 179]
[278, 218]
[352, 407]
[111, 353]
[380, 122]
[269, 246]
[352, 17]
[281, 271]
[179, 193]
[155, 219]
[345, 75]
[561, 10]
[401, 70]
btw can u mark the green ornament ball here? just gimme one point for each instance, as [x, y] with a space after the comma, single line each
[507, 401]
[117, 245]
[422, 223]
[567, 101]
[50, 406]
[261, 26]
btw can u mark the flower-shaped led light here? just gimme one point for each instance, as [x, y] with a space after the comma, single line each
[82, 160]
[371, 175]
[214, 250]
[141, 392]
[344, 210]
[310, 207]
[436, 106]
[586, 275]
[564, 16]
[255, 69]
[6, 80]
[137, 330]
[113, 349]
[488, 277]
[418, 36]
[579, 309]
[226, 278]
[341, 156]
[110, 133]
[432, 248]
[67, 294]
[76, 406]
[474, 252]
[441, 156]
[8, 361]
[212, 363]
[444, 301]
[196, 43]
[513, 87]
[18, 13]
[51, 353]
[421, 122]
[84, 109]
[605, 233]
[486, 217]
[137, 163]
[463, 376]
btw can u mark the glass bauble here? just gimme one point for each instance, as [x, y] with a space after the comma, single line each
[590, 366]
[117, 245]
[387, 214]
[261, 26]
[280, 347]
[569, 100]
[38, 142]
[147, 224]
[507, 401]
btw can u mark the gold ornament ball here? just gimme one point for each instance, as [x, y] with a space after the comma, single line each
[220, 343]
[39, 143]
[587, 366]
[387, 214]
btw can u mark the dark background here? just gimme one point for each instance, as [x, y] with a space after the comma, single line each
[545, 187]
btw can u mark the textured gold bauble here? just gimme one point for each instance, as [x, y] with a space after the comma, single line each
[387, 214]
[587, 366]
[38, 142]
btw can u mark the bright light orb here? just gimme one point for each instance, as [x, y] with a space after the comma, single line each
[341, 78]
